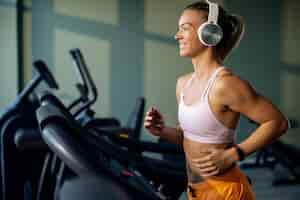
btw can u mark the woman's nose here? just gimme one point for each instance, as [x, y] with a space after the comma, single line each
[177, 36]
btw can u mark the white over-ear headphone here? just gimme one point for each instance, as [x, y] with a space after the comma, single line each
[210, 33]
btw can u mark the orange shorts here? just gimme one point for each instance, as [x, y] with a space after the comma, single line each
[232, 185]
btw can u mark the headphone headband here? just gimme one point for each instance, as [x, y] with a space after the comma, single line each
[213, 12]
[210, 33]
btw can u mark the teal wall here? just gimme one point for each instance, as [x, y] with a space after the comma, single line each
[125, 53]
[8, 52]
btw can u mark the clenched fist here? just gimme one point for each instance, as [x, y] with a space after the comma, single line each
[154, 122]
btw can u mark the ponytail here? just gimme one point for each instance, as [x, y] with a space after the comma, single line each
[233, 30]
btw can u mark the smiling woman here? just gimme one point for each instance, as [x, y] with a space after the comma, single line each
[232, 28]
[210, 102]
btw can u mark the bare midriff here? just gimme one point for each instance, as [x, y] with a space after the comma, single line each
[195, 150]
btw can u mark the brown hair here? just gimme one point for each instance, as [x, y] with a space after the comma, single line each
[232, 25]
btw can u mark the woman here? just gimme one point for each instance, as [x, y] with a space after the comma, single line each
[210, 102]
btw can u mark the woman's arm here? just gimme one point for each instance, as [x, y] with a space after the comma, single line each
[173, 135]
[240, 97]
[155, 123]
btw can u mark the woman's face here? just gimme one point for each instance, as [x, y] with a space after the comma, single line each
[189, 43]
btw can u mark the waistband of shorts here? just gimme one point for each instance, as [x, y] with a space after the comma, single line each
[234, 174]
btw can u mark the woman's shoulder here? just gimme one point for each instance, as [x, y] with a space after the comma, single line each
[182, 80]
[227, 76]
[185, 77]
[226, 72]
[228, 81]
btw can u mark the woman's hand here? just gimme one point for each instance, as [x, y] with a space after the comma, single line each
[154, 122]
[216, 162]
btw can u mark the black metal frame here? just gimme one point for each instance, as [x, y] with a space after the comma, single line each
[20, 44]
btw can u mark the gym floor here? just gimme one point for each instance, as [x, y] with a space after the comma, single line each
[262, 184]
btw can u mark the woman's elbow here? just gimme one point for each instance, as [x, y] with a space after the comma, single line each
[284, 125]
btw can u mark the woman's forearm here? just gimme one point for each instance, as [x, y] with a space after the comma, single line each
[173, 135]
[265, 134]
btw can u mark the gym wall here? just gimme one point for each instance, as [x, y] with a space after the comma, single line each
[8, 52]
[290, 71]
[8, 49]
[97, 50]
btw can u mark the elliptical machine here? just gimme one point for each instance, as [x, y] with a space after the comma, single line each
[86, 152]
[19, 114]
[122, 156]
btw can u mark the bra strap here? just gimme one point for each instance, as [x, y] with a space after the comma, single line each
[211, 81]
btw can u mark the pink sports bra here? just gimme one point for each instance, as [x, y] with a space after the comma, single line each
[199, 122]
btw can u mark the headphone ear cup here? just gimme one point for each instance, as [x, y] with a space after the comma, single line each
[210, 34]
[200, 35]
